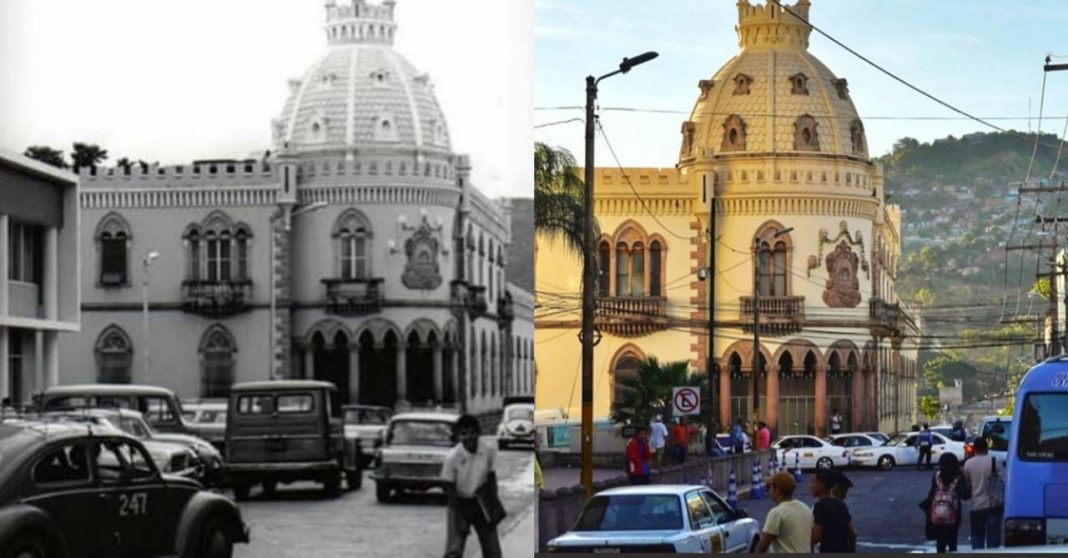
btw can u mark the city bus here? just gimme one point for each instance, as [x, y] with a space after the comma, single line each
[1036, 490]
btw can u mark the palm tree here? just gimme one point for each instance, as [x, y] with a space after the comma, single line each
[648, 393]
[559, 193]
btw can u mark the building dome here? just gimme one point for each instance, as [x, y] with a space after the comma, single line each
[773, 97]
[361, 94]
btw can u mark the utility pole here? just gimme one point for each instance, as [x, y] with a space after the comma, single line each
[711, 365]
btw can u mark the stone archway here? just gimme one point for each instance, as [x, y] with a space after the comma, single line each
[378, 368]
[331, 364]
[420, 368]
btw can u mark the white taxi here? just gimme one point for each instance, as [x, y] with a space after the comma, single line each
[902, 450]
[856, 441]
[659, 518]
[813, 452]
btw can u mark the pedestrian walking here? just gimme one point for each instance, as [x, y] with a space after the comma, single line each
[763, 436]
[658, 434]
[987, 479]
[788, 526]
[638, 456]
[680, 438]
[832, 524]
[924, 442]
[949, 488]
[836, 422]
[737, 437]
[471, 487]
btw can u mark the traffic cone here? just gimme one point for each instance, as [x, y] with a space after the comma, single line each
[797, 468]
[732, 490]
[754, 492]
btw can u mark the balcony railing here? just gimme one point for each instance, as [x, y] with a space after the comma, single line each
[216, 299]
[628, 316]
[886, 315]
[505, 310]
[353, 297]
[779, 315]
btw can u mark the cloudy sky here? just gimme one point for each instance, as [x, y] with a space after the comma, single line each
[984, 56]
[176, 81]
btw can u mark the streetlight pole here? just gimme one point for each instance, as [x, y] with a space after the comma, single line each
[588, 270]
[756, 327]
[288, 215]
[146, 264]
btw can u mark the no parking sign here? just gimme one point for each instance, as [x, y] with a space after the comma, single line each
[685, 401]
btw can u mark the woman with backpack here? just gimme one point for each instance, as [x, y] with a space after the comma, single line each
[949, 488]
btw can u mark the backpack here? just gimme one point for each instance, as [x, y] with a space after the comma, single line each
[945, 505]
[995, 486]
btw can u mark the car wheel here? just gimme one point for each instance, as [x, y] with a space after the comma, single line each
[215, 541]
[241, 491]
[354, 479]
[824, 463]
[886, 462]
[28, 545]
[383, 492]
[269, 487]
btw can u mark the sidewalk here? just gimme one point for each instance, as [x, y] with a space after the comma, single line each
[519, 543]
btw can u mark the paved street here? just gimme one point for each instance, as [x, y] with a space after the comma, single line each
[883, 504]
[300, 522]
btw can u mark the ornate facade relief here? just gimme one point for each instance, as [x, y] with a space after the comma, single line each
[422, 270]
[843, 288]
[851, 240]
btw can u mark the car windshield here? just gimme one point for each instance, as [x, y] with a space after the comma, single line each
[1043, 427]
[997, 434]
[366, 416]
[521, 413]
[632, 512]
[421, 433]
[134, 427]
[896, 440]
[210, 416]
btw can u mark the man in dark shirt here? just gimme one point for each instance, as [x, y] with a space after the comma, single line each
[832, 525]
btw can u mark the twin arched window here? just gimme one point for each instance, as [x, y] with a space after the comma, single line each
[352, 234]
[218, 250]
[638, 270]
[113, 240]
[773, 262]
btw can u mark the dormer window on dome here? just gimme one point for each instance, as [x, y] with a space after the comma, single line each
[741, 84]
[733, 134]
[799, 84]
[385, 128]
[437, 131]
[706, 88]
[806, 136]
[856, 134]
[318, 127]
[843, 88]
[327, 80]
[379, 78]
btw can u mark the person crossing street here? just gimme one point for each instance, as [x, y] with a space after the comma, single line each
[986, 477]
[924, 442]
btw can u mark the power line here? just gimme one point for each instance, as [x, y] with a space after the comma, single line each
[814, 115]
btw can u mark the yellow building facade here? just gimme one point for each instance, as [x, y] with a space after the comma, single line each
[773, 161]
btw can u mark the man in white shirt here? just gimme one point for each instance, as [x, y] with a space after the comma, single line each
[657, 439]
[468, 466]
[788, 526]
[987, 508]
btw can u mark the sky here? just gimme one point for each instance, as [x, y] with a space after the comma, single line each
[983, 56]
[202, 79]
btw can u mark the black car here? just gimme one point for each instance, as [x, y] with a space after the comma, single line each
[68, 490]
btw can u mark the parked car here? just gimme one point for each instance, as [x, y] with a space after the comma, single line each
[285, 431]
[516, 426]
[995, 430]
[659, 518]
[365, 428]
[413, 453]
[208, 416]
[883, 438]
[853, 441]
[70, 490]
[811, 452]
[902, 450]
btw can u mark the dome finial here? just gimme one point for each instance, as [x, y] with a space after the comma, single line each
[773, 24]
[360, 22]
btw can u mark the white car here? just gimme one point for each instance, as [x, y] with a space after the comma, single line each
[516, 426]
[659, 518]
[813, 452]
[902, 450]
[854, 441]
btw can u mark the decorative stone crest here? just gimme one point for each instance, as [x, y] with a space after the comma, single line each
[843, 288]
[843, 236]
[422, 270]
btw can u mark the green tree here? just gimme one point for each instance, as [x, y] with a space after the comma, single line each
[1042, 287]
[649, 392]
[929, 407]
[559, 194]
[47, 155]
[87, 155]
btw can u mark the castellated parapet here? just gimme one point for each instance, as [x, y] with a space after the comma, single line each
[771, 25]
[360, 22]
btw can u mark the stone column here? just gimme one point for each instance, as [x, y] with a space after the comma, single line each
[309, 361]
[38, 362]
[725, 417]
[856, 419]
[51, 274]
[402, 372]
[821, 399]
[5, 371]
[354, 373]
[439, 393]
[51, 358]
[771, 402]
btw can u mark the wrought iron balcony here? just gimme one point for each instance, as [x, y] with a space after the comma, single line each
[779, 315]
[353, 297]
[216, 299]
[631, 316]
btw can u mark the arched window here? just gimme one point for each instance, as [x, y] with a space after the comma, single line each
[654, 268]
[352, 234]
[856, 133]
[192, 239]
[637, 267]
[604, 255]
[114, 354]
[799, 84]
[626, 368]
[218, 256]
[764, 270]
[733, 134]
[241, 239]
[113, 239]
[773, 261]
[778, 270]
[622, 270]
[806, 135]
[216, 363]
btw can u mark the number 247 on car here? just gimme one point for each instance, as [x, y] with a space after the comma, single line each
[133, 504]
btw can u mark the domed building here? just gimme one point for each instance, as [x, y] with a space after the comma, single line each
[356, 250]
[774, 161]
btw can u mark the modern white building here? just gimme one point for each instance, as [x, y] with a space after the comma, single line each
[356, 250]
[39, 268]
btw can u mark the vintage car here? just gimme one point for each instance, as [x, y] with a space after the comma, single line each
[286, 431]
[70, 490]
[365, 427]
[206, 460]
[207, 416]
[160, 406]
[659, 518]
[413, 453]
[516, 426]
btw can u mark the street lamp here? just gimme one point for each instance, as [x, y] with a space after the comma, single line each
[756, 326]
[589, 270]
[146, 264]
[270, 270]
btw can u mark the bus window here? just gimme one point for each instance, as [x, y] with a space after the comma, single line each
[1043, 428]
